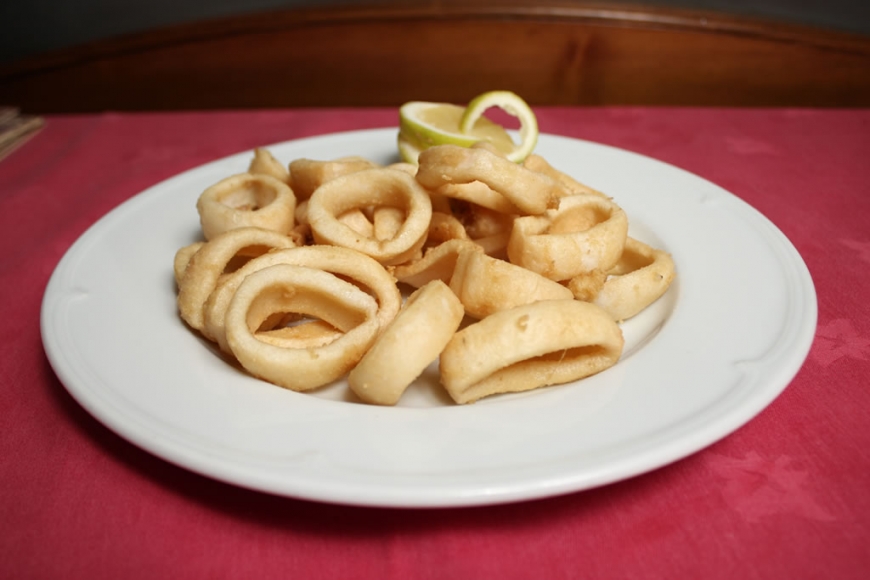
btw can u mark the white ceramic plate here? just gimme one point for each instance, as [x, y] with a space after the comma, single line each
[724, 341]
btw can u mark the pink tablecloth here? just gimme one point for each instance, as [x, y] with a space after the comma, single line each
[786, 496]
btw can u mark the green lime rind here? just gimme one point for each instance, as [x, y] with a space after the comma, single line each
[513, 105]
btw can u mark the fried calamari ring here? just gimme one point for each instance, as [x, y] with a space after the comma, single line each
[642, 275]
[585, 234]
[568, 184]
[301, 232]
[245, 200]
[360, 269]
[358, 221]
[495, 245]
[182, 259]
[309, 174]
[372, 188]
[310, 334]
[527, 347]
[444, 227]
[284, 288]
[586, 286]
[408, 168]
[530, 191]
[480, 222]
[213, 259]
[486, 285]
[408, 345]
[265, 163]
[440, 203]
[386, 222]
[488, 228]
[479, 193]
[438, 263]
[301, 213]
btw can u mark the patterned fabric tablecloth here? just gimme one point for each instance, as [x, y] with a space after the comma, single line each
[785, 496]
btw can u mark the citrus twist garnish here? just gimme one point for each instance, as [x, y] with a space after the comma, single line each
[514, 106]
[425, 124]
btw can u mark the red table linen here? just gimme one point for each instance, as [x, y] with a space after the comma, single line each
[786, 496]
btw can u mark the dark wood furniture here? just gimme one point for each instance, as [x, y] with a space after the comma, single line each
[552, 53]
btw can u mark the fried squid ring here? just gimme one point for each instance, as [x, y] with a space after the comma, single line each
[408, 345]
[360, 269]
[585, 234]
[301, 232]
[479, 193]
[438, 263]
[408, 168]
[530, 191]
[309, 174]
[301, 213]
[486, 285]
[480, 222]
[527, 347]
[444, 227]
[264, 163]
[642, 275]
[568, 184]
[284, 288]
[358, 221]
[495, 245]
[488, 228]
[310, 334]
[586, 286]
[246, 200]
[182, 259]
[386, 222]
[372, 188]
[213, 259]
[440, 203]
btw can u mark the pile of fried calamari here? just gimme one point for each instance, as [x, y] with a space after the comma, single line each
[519, 276]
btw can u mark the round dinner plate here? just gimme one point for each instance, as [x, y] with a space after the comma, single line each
[716, 349]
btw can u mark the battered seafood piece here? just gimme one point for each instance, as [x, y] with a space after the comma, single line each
[281, 289]
[246, 200]
[309, 174]
[211, 261]
[642, 275]
[371, 188]
[530, 192]
[265, 163]
[357, 268]
[409, 344]
[585, 234]
[438, 263]
[531, 346]
[486, 285]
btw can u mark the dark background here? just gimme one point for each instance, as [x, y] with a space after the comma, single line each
[31, 27]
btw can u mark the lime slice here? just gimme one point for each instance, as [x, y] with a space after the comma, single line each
[514, 106]
[424, 124]
[409, 150]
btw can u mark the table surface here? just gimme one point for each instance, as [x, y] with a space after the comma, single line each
[785, 496]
